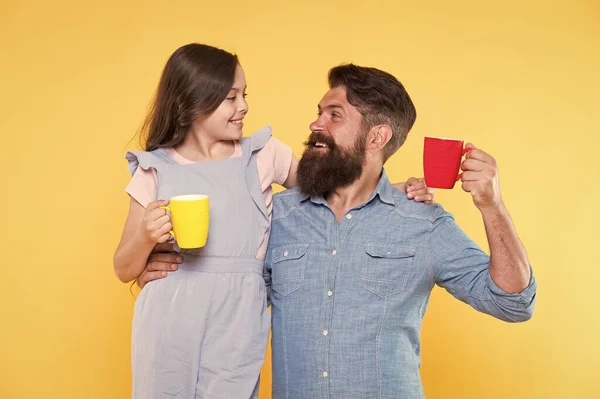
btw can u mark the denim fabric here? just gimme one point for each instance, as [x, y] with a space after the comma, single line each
[348, 298]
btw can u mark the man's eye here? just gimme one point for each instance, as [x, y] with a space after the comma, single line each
[335, 115]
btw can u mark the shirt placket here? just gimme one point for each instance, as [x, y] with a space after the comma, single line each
[330, 261]
[334, 258]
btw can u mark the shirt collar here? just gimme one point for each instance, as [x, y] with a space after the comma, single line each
[384, 191]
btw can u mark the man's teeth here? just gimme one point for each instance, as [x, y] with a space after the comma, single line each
[321, 145]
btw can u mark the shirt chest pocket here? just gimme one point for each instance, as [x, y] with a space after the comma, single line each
[288, 263]
[385, 268]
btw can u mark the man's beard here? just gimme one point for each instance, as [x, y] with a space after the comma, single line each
[321, 173]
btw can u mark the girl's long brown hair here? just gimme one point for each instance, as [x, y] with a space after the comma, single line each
[195, 81]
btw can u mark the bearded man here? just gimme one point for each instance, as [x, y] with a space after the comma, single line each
[351, 261]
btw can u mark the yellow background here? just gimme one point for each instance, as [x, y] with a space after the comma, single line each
[518, 78]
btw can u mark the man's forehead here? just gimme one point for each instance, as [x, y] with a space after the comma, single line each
[335, 97]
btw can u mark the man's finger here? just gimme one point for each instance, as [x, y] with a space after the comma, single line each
[146, 277]
[164, 247]
[161, 267]
[470, 187]
[480, 155]
[472, 176]
[165, 258]
[474, 165]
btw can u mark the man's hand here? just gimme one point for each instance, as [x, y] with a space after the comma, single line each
[417, 189]
[480, 178]
[162, 260]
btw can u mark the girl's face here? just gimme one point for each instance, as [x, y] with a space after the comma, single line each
[226, 122]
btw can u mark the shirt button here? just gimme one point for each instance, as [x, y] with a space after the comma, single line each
[325, 374]
[325, 332]
[349, 216]
[329, 293]
[334, 252]
[286, 253]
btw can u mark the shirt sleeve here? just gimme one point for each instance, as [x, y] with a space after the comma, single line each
[143, 186]
[273, 162]
[462, 268]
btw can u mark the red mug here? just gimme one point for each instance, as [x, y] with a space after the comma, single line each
[441, 161]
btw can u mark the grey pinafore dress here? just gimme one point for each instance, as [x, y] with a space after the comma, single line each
[202, 331]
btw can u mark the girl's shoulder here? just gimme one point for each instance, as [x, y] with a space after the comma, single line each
[257, 140]
[148, 159]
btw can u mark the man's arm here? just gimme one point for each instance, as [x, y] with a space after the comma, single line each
[509, 266]
[268, 280]
[500, 284]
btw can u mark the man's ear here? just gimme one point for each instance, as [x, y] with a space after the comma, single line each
[378, 137]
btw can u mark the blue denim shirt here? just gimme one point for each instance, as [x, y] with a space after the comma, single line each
[348, 298]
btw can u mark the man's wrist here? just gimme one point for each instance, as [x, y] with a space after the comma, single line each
[494, 211]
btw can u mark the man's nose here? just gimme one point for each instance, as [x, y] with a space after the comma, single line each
[316, 126]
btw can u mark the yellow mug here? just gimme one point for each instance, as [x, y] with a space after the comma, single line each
[190, 217]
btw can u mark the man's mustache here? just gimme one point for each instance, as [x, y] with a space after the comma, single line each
[317, 137]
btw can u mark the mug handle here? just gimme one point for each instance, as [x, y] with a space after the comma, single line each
[464, 151]
[168, 209]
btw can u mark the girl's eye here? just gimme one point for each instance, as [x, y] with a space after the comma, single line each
[234, 97]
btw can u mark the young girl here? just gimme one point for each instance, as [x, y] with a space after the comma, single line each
[203, 331]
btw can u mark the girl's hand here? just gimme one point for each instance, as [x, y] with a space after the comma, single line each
[156, 224]
[417, 189]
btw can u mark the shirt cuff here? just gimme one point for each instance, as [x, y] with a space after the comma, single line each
[525, 296]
